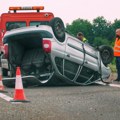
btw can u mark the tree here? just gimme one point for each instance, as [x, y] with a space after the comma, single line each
[100, 31]
[116, 24]
[100, 41]
[102, 28]
[81, 25]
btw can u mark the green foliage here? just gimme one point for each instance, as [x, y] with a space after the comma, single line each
[99, 32]
[113, 67]
[80, 25]
[100, 41]
[116, 24]
[99, 27]
[102, 28]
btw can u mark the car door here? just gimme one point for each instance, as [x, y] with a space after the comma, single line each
[74, 58]
[90, 70]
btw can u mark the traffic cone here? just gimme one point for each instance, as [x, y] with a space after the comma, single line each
[1, 83]
[19, 95]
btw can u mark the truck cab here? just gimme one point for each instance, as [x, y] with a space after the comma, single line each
[20, 17]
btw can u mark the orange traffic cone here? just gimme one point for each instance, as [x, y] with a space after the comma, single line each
[1, 83]
[19, 95]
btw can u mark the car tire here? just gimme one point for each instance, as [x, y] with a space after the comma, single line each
[58, 28]
[106, 53]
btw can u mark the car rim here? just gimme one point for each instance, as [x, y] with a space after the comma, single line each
[105, 55]
[59, 29]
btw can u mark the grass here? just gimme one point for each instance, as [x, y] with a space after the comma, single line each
[113, 67]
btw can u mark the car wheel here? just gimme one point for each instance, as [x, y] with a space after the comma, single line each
[106, 53]
[58, 28]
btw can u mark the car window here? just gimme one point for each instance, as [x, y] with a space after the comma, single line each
[27, 35]
[13, 25]
[34, 23]
[45, 34]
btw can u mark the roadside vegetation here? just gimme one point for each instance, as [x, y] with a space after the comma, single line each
[113, 67]
[99, 32]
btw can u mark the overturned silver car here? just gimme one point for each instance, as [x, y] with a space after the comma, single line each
[46, 52]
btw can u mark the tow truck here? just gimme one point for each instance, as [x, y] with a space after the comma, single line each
[18, 16]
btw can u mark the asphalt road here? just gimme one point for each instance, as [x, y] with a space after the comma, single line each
[94, 102]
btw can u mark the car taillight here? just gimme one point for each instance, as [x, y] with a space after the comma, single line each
[47, 46]
[6, 51]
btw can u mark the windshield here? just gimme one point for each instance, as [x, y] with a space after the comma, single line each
[34, 23]
[13, 25]
[28, 36]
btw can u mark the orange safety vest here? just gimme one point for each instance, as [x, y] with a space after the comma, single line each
[117, 47]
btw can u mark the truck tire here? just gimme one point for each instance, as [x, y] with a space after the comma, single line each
[58, 28]
[106, 53]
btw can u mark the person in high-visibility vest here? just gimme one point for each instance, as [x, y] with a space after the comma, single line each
[117, 53]
[81, 37]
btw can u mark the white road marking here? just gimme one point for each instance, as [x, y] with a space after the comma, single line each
[114, 85]
[111, 84]
[5, 97]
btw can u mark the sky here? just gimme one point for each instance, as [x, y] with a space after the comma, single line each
[69, 10]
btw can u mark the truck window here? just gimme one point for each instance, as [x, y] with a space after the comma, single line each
[13, 25]
[34, 23]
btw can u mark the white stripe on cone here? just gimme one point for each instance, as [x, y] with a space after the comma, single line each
[19, 84]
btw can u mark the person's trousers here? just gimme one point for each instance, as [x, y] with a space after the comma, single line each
[118, 67]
